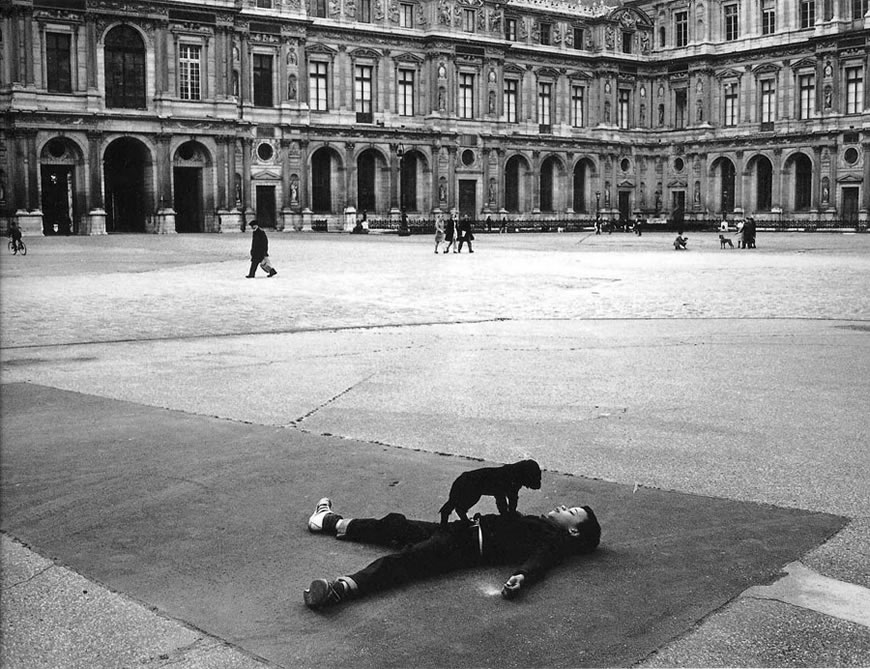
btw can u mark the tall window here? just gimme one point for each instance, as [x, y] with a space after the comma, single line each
[768, 101]
[732, 25]
[406, 15]
[189, 72]
[807, 13]
[319, 9]
[317, 81]
[466, 95]
[807, 94]
[125, 68]
[365, 11]
[510, 30]
[730, 105]
[577, 111]
[627, 40]
[57, 63]
[262, 80]
[854, 90]
[768, 17]
[859, 8]
[362, 92]
[468, 19]
[578, 38]
[546, 33]
[681, 28]
[406, 92]
[510, 100]
[681, 104]
[545, 99]
[624, 108]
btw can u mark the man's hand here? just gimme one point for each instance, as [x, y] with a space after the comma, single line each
[511, 587]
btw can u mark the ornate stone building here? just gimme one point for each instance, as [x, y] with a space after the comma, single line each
[185, 116]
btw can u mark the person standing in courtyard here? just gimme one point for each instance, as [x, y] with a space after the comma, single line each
[439, 230]
[260, 252]
[465, 233]
[450, 231]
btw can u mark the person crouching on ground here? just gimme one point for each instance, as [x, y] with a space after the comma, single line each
[260, 252]
[535, 543]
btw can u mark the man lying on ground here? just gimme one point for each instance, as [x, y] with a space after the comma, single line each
[426, 549]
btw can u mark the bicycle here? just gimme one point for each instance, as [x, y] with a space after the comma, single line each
[17, 247]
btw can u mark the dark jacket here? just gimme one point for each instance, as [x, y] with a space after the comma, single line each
[259, 245]
[531, 541]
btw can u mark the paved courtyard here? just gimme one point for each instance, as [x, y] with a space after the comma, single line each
[731, 375]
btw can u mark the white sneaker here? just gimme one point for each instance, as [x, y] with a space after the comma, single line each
[315, 523]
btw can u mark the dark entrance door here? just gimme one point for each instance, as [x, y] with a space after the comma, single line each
[850, 205]
[188, 199]
[624, 207]
[579, 203]
[57, 201]
[468, 198]
[124, 166]
[266, 206]
[365, 182]
[321, 188]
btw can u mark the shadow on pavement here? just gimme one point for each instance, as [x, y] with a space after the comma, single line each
[205, 520]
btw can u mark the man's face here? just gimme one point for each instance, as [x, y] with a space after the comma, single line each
[568, 518]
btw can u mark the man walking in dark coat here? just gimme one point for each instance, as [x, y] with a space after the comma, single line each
[260, 252]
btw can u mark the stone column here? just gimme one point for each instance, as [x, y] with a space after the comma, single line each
[865, 187]
[165, 219]
[451, 178]
[230, 216]
[569, 183]
[436, 177]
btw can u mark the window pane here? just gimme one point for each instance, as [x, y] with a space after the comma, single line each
[577, 106]
[317, 87]
[406, 92]
[262, 80]
[57, 56]
[188, 72]
[510, 100]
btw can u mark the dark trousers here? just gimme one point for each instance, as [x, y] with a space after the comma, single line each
[428, 549]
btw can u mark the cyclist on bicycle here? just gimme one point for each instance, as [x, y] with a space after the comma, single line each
[15, 234]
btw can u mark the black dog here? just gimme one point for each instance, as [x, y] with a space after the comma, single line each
[725, 240]
[503, 483]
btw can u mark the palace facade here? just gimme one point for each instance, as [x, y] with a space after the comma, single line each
[194, 116]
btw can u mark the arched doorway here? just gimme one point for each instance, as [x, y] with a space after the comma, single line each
[408, 182]
[367, 180]
[127, 173]
[189, 169]
[727, 183]
[515, 176]
[763, 184]
[549, 182]
[803, 182]
[125, 68]
[579, 197]
[58, 162]
[325, 181]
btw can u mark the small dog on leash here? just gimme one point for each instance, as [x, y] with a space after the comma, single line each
[725, 240]
[503, 483]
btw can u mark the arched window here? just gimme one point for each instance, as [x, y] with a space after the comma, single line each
[125, 68]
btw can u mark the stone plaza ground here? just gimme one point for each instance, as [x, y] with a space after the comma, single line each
[714, 381]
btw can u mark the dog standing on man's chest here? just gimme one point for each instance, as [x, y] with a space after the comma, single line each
[724, 240]
[503, 483]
